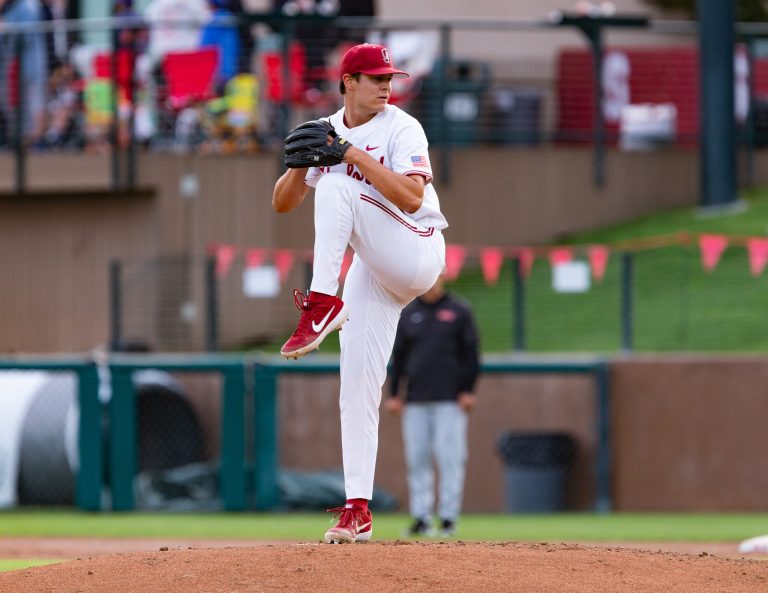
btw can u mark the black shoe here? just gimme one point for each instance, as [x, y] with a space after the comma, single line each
[419, 528]
[447, 528]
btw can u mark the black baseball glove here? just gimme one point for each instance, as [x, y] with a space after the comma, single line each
[307, 145]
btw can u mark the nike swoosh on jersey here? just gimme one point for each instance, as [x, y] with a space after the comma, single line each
[369, 148]
[317, 327]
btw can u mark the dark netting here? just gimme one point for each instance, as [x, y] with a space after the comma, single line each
[535, 449]
[40, 430]
[169, 433]
[177, 468]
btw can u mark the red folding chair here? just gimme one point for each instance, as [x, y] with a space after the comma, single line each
[189, 76]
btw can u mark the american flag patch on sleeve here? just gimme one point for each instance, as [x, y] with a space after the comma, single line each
[419, 161]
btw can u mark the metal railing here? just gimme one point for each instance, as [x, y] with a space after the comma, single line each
[106, 461]
[123, 432]
[122, 98]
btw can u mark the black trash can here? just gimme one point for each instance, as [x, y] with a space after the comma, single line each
[537, 466]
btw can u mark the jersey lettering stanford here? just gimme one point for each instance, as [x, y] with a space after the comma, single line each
[353, 172]
[392, 137]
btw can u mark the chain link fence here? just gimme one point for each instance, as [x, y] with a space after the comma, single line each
[39, 433]
[235, 83]
[652, 300]
[177, 439]
[656, 300]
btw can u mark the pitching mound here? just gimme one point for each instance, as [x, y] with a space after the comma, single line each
[396, 567]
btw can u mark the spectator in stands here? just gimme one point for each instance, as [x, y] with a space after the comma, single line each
[246, 37]
[175, 26]
[319, 39]
[46, 14]
[131, 38]
[222, 33]
[63, 107]
[31, 77]
[58, 40]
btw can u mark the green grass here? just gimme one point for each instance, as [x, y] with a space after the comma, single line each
[751, 221]
[677, 306]
[700, 527]
[19, 563]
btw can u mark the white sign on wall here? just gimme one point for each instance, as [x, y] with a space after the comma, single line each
[261, 282]
[572, 276]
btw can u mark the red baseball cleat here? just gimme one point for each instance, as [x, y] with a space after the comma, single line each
[320, 315]
[355, 525]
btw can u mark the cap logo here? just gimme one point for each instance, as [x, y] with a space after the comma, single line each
[385, 55]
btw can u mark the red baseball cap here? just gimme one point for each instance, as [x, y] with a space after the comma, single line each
[370, 59]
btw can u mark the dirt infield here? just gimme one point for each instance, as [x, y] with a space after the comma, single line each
[391, 567]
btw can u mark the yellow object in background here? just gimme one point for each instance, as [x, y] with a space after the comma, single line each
[98, 101]
[242, 95]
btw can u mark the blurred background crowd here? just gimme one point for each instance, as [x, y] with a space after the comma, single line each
[180, 72]
[233, 75]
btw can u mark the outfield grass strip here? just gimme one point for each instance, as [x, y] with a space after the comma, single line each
[698, 527]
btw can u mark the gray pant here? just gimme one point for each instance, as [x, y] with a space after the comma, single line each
[435, 430]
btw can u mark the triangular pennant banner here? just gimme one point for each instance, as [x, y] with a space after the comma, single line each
[254, 257]
[526, 256]
[454, 261]
[224, 256]
[345, 264]
[560, 255]
[758, 255]
[283, 259]
[598, 260]
[711, 247]
[491, 260]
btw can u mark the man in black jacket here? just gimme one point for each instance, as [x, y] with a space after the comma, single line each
[436, 351]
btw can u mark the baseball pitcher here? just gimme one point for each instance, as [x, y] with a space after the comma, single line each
[369, 166]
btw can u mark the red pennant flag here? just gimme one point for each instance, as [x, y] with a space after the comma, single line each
[491, 260]
[454, 261]
[345, 263]
[526, 255]
[283, 259]
[560, 255]
[598, 260]
[254, 257]
[712, 247]
[758, 255]
[224, 256]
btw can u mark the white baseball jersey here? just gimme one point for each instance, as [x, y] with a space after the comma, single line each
[398, 141]
[398, 256]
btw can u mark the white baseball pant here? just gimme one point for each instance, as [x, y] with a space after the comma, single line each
[396, 259]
